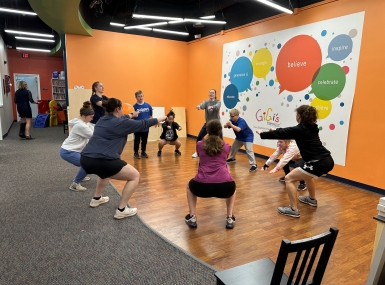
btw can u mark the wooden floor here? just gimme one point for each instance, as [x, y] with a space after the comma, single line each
[259, 229]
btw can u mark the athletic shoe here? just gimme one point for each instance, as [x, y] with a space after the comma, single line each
[302, 187]
[159, 153]
[194, 155]
[178, 152]
[136, 155]
[144, 154]
[94, 203]
[282, 179]
[77, 187]
[86, 179]
[191, 221]
[126, 213]
[253, 168]
[308, 200]
[230, 160]
[288, 211]
[230, 222]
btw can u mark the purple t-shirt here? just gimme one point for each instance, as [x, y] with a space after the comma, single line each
[213, 169]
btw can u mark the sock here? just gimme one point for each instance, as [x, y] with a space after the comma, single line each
[293, 209]
[97, 198]
[311, 198]
[121, 209]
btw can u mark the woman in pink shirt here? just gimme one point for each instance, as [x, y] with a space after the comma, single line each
[213, 178]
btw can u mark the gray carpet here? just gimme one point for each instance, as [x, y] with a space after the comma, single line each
[50, 235]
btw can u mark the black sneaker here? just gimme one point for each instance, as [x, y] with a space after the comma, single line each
[136, 155]
[191, 221]
[282, 179]
[144, 154]
[159, 153]
[302, 187]
[230, 160]
[230, 222]
[178, 152]
[253, 168]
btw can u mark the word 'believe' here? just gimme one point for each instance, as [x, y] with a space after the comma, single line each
[296, 64]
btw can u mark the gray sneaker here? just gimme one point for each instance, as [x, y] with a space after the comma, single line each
[288, 211]
[191, 221]
[77, 187]
[308, 200]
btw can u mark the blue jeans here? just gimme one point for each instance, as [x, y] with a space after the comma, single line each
[203, 132]
[73, 157]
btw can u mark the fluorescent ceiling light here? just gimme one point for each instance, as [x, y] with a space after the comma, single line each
[205, 21]
[154, 24]
[171, 32]
[143, 28]
[17, 11]
[140, 16]
[28, 33]
[276, 6]
[33, 39]
[207, 17]
[116, 24]
[137, 27]
[33, 49]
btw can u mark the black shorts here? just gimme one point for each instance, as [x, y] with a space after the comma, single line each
[103, 168]
[209, 190]
[317, 168]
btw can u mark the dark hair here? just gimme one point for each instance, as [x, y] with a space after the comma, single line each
[111, 104]
[171, 113]
[94, 85]
[213, 145]
[138, 93]
[86, 110]
[307, 113]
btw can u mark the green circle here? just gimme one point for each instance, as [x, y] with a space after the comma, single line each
[247, 99]
[257, 83]
[320, 128]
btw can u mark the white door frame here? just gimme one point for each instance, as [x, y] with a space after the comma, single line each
[15, 86]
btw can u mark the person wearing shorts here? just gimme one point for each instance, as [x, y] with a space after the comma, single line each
[101, 156]
[317, 160]
[213, 178]
[169, 134]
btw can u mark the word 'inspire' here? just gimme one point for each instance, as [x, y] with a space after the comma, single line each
[296, 64]
[241, 74]
[339, 48]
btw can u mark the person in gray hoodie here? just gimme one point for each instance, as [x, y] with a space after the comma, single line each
[101, 156]
[81, 132]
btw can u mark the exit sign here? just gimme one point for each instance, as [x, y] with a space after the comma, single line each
[25, 55]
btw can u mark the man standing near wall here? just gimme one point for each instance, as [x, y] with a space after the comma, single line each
[145, 111]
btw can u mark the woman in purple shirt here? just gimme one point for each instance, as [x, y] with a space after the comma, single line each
[213, 178]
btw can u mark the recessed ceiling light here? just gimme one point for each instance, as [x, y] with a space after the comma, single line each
[29, 33]
[33, 39]
[17, 11]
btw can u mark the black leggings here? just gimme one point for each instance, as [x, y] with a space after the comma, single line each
[138, 136]
[294, 164]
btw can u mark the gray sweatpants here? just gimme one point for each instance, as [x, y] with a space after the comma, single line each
[249, 150]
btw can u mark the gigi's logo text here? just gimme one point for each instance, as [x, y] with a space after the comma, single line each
[267, 116]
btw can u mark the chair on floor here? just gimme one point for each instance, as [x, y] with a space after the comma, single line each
[65, 122]
[264, 271]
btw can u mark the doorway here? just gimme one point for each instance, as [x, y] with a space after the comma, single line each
[33, 81]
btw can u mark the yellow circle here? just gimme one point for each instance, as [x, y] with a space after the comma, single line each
[324, 108]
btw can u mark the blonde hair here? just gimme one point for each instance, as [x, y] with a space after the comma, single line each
[234, 112]
[22, 85]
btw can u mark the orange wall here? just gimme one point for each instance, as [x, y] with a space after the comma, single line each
[364, 162]
[125, 63]
[38, 63]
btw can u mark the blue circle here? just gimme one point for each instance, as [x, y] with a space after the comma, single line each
[265, 44]
[279, 46]
[225, 76]
[272, 68]
[323, 33]
[227, 110]
[256, 95]
[341, 123]
[271, 82]
[289, 98]
[342, 104]
[243, 51]
[244, 108]
[307, 97]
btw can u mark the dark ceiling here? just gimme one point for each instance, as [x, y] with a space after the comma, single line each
[235, 12]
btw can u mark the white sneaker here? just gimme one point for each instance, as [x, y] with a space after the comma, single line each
[94, 203]
[86, 179]
[77, 187]
[126, 213]
[194, 155]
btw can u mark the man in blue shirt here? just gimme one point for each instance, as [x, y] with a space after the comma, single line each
[243, 136]
[145, 112]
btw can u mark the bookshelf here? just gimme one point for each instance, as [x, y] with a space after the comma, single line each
[58, 90]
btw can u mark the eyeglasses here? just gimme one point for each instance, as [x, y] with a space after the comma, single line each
[233, 116]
